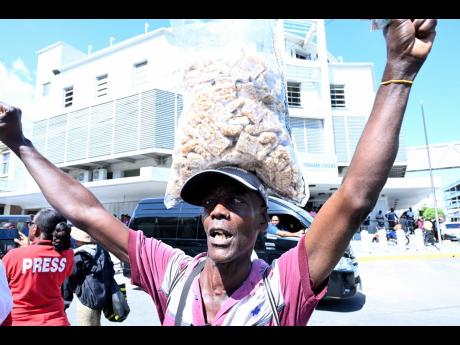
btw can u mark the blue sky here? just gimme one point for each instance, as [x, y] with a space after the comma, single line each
[438, 83]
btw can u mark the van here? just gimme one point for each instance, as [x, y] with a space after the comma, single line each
[181, 228]
[10, 225]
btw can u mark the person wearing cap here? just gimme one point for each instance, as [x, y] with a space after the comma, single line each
[90, 279]
[223, 286]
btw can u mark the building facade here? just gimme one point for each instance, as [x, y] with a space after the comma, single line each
[445, 166]
[452, 202]
[108, 118]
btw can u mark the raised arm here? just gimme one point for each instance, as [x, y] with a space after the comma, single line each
[408, 44]
[62, 191]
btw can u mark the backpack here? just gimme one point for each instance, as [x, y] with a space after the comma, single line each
[94, 288]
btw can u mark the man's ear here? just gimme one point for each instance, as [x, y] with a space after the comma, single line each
[35, 231]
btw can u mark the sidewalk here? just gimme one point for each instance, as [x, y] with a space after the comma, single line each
[378, 251]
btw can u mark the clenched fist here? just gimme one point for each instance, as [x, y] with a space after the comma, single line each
[10, 126]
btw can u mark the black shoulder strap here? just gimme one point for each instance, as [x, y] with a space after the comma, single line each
[180, 309]
[271, 298]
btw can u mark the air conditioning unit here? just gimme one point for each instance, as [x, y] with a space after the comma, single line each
[99, 174]
[84, 176]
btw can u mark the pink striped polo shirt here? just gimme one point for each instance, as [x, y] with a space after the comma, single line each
[162, 271]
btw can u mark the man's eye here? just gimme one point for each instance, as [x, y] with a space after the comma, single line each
[237, 201]
[208, 202]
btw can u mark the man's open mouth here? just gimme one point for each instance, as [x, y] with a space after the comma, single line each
[220, 234]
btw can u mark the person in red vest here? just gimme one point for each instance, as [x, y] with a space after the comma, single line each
[37, 269]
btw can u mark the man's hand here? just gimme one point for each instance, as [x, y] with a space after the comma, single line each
[23, 240]
[409, 42]
[10, 125]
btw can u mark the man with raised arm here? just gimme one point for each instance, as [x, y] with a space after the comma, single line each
[223, 286]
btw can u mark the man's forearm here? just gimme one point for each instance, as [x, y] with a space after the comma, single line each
[61, 190]
[378, 146]
[74, 201]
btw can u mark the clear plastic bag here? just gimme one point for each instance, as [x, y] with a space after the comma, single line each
[235, 107]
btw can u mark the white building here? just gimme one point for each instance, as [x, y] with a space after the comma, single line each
[108, 118]
[452, 202]
[445, 165]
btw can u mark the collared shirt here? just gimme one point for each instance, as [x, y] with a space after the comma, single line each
[6, 300]
[35, 274]
[157, 267]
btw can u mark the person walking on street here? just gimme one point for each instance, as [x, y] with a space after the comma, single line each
[380, 220]
[223, 286]
[90, 279]
[392, 218]
[37, 269]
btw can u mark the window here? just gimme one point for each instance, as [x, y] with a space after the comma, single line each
[102, 84]
[46, 89]
[5, 162]
[308, 135]
[188, 227]
[68, 96]
[294, 94]
[302, 56]
[337, 96]
[140, 74]
[132, 173]
[166, 227]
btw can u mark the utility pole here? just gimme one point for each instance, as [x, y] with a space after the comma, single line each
[431, 175]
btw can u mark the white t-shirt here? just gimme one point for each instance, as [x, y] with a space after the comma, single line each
[6, 300]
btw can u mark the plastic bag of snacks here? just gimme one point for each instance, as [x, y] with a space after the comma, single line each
[235, 107]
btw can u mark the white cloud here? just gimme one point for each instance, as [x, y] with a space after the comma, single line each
[20, 68]
[14, 90]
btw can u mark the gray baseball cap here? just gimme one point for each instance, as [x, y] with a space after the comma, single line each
[198, 186]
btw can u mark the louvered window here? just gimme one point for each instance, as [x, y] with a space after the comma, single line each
[164, 119]
[68, 96]
[140, 74]
[100, 136]
[102, 85]
[308, 135]
[347, 131]
[39, 135]
[5, 162]
[337, 96]
[56, 138]
[340, 139]
[303, 74]
[77, 135]
[147, 127]
[142, 121]
[293, 90]
[126, 124]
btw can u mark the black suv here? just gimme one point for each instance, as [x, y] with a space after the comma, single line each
[8, 234]
[181, 227]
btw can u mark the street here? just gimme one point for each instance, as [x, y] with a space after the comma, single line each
[399, 292]
[415, 291]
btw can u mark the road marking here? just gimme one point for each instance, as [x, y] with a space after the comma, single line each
[409, 256]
